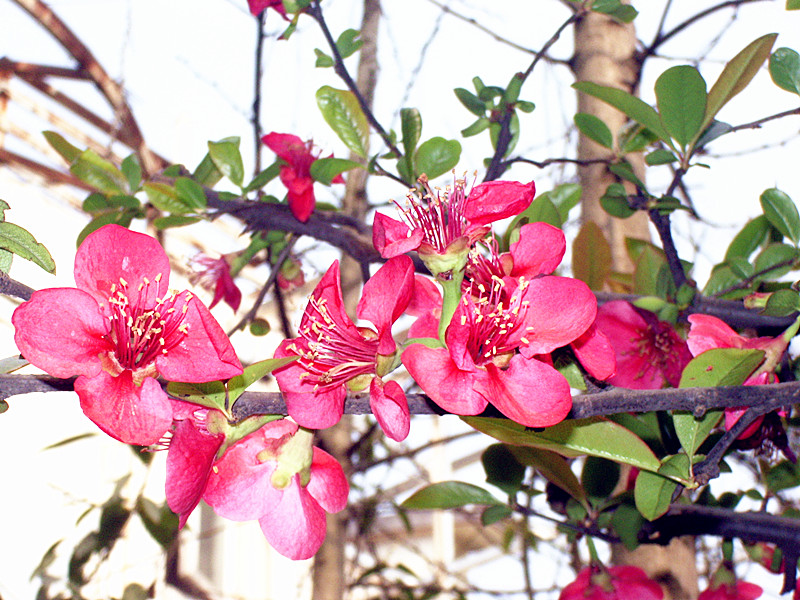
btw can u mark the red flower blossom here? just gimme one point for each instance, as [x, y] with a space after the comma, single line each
[443, 225]
[120, 329]
[275, 476]
[493, 341]
[738, 590]
[649, 352]
[621, 582]
[258, 6]
[296, 173]
[336, 356]
[214, 274]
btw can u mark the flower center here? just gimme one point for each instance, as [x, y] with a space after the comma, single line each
[496, 319]
[141, 334]
[439, 214]
[336, 354]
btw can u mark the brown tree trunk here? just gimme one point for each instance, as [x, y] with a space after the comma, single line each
[329, 562]
[605, 53]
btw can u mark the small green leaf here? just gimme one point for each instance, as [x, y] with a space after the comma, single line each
[720, 367]
[752, 235]
[740, 266]
[343, 114]
[253, 373]
[348, 43]
[624, 170]
[263, 178]
[437, 156]
[552, 467]
[478, 126]
[681, 98]
[227, 158]
[782, 213]
[646, 271]
[599, 476]
[325, 170]
[722, 278]
[411, 127]
[259, 327]
[174, 221]
[792, 4]
[595, 437]
[653, 494]
[627, 522]
[783, 476]
[615, 201]
[449, 494]
[502, 468]
[591, 256]
[692, 431]
[784, 68]
[493, 514]
[191, 193]
[323, 60]
[775, 260]
[98, 173]
[737, 74]
[132, 170]
[210, 394]
[630, 105]
[11, 364]
[19, 241]
[471, 102]
[164, 197]
[69, 152]
[207, 173]
[595, 129]
[782, 303]
[565, 197]
[662, 156]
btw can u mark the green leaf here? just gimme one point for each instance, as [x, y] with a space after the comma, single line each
[98, 173]
[737, 74]
[227, 158]
[782, 303]
[646, 270]
[692, 431]
[544, 211]
[11, 364]
[681, 99]
[740, 266]
[565, 197]
[263, 178]
[19, 241]
[595, 437]
[437, 156]
[662, 156]
[591, 256]
[211, 394]
[323, 60]
[174, 221]
[615, 201]
[630, 105]
[191, 193]
[595, 129]
[782, 213]
[723, 278]
[449, 494]
[784, 68]
[348, 43]
[653, 494]
[478, 126]
[775, 260]
[411, 127]
[713, 131]
[132, 170]
[342, 113]
[627, 522]
[502, 468]
[599, 476]
[159, 521]
[792, 4]
[720, 367]
[752, 235]
[253, 373]
[207, 173]
[471, 102]
[552, 467]
[783, 476]
[69, 152]
[493, 514]
[325, 170]
[625, 171]
[165, 197]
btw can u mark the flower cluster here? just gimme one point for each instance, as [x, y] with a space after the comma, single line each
[622, 582]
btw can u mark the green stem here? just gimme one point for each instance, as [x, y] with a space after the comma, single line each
[452, 296]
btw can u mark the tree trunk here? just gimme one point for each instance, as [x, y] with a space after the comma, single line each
[605, 53]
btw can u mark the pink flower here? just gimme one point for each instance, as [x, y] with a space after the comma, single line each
[336, 356]
[192, 451]
[650, 354]
[275, 476]
[119, 330]
[621, 582]
[296, 173]
[709, 332]
[493, 345]
[290, 275]
[258, 6]
[214, 274]
[443, 225]
[738, 590]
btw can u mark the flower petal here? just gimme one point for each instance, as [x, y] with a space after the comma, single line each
[393, 238]
[440, 378]
[61, 331]
[390, 407]
[114, 253]
[296, 526]
[204, 354]
[494, 200]
[328, 484]
[529, 392]
[385, 297]
[132, 414]
[595, 353]
[560, 309]
[189, 461]
[538, 251]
